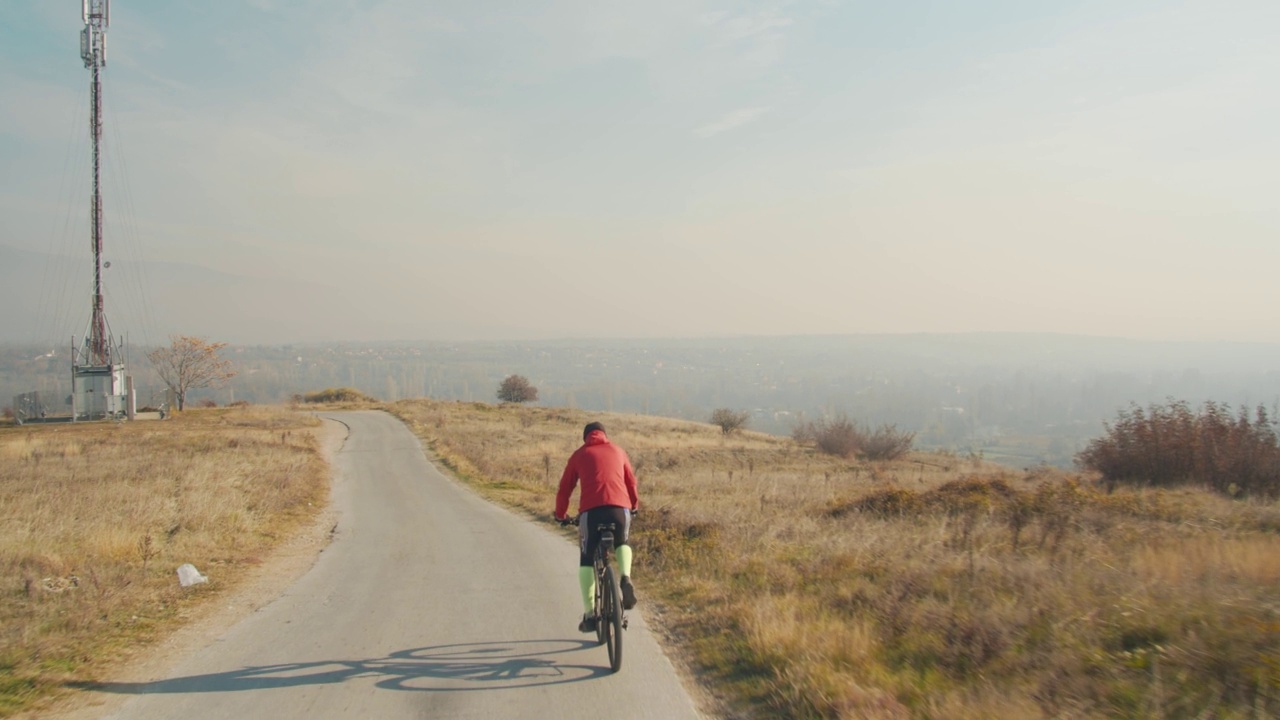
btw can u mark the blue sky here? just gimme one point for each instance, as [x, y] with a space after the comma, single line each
[503, 169]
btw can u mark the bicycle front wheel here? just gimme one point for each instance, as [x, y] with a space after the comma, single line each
[611, 620]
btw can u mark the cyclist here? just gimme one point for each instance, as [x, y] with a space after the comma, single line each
[608, 496]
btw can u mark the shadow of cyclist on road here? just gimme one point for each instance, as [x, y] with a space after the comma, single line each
[441, 668]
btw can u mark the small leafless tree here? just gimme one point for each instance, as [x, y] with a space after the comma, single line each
[516, 389]
[730, 421]
[189, 363]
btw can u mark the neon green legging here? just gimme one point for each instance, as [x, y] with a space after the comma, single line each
[587, 577]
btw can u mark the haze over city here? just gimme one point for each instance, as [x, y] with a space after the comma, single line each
[285, 171]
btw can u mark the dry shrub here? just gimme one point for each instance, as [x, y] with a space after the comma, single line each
[1169, 445]
[841, 437]
[729, 421]
[971, 492]
[953, 498]
[837, 436]
[886, 443]
[882, 503]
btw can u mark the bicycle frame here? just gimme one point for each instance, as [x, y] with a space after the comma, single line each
[604, 550]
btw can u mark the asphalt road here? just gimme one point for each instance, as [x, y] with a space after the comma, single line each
[429, 603]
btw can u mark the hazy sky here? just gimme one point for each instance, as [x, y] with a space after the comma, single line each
[548, 169]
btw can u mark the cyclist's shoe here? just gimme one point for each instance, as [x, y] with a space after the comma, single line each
[628, 594]
[588, 624]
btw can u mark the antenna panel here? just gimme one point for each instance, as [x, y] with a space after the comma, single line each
[106, 13]
[84, 4]
[103, 48]
[86, 52]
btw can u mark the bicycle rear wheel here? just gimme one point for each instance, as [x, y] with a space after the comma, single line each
[601, 609]
[611, 620]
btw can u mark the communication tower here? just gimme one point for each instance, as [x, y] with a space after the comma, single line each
[99, 386]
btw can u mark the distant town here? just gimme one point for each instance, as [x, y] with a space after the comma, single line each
[1020, 399]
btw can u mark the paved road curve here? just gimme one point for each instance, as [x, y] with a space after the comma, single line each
[430, 603]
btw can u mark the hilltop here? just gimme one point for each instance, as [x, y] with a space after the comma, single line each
[800, 585]
[789, 583]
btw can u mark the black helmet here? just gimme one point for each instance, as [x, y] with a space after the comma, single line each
[591, 427]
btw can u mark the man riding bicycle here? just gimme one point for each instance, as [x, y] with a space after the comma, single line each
[608, 497]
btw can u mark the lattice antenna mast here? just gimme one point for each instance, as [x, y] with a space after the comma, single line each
[93, 49]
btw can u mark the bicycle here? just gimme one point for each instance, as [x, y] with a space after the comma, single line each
[611, 618]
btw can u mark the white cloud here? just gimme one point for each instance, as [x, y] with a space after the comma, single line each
[748, 26]
[730, 121]
[756, 39]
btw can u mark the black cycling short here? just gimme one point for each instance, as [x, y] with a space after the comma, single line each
[589, 534]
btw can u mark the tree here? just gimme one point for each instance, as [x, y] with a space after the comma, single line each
[189, 363]
[730, 421]
[516, 389]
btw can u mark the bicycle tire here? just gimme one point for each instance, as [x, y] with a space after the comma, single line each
[600, 610]
[612, 620]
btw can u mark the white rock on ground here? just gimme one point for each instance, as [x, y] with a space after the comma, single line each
[188, 575]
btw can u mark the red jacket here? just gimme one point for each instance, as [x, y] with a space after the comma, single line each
[606, 475]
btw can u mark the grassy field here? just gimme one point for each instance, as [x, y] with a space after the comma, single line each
[95, 517]
[804, 586]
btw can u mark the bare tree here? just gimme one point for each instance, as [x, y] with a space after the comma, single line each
[730, 421]
[189, 363]
[516, 389]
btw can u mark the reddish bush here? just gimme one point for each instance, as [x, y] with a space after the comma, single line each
[1168, 445]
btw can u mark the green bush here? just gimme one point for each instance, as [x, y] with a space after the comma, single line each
[336, 395]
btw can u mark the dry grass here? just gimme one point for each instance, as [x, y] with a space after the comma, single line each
[804, 586]
[95, 517]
